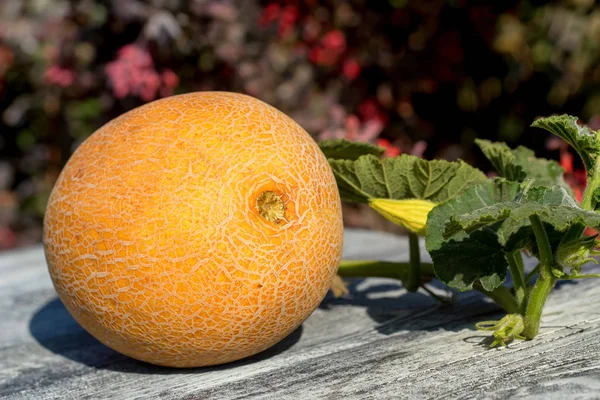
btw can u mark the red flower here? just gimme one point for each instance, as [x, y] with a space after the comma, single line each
[566, 161]
[351, 69]
[334, 40]
[288, 19]
[390, 149]
[321, 56]
[369, 109]
[270, 13]
[329, 50]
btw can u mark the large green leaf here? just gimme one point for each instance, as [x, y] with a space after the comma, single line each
[342, 149]
[553, 205]
[520, 164]
[582, 138]
[464, 258]
[402, 177]
[476, 197]
[479, 256]
[497, 226]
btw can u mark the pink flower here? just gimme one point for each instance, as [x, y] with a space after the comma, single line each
[350, 127]
[170, 81]
[418, 149]
[149, 85]
[135, 56]
[57, 75]
[133, 73]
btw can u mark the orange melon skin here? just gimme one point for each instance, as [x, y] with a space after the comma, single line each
[155, 243]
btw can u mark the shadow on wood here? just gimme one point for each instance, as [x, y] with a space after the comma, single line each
[394, 309]
[54, 328]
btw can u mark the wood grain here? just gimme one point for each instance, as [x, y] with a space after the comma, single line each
[378, 342]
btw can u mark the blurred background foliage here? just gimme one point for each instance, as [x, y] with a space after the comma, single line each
[423, 77]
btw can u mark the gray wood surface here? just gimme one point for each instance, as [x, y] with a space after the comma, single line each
[378, 342]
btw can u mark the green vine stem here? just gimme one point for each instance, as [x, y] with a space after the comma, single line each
[541, 290]
[413, 280]
[515, 263]
[545, 282]
[584, 276]
[532, 273]
[593, 183]
[383, 269]
[400, 270]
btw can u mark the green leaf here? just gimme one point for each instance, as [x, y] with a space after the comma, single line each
[582, 138]
[478, 257]
[342, 149]
[461, 260]
[498, 227]
[503, 159]
[553, 205]
[477, 197]
[520, 164]
[402, 177]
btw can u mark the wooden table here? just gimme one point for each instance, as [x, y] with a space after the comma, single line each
[378, 342]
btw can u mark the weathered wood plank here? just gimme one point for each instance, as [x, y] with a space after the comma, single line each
[378, 342]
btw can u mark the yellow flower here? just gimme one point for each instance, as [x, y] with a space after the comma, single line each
[411, 214]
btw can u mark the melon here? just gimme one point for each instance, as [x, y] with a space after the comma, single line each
[195, 230]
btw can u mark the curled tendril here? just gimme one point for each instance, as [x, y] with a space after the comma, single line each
[506, 330]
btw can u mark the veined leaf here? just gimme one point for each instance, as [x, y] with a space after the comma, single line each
[498, 227]
[477, 197]
[503, 159]
[582, 138]
[464, 258]
[520, 164]
[402, 177]
[342, 149]
[478, 256]
[553, 205]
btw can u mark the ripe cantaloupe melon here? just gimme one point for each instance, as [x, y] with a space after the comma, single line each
[195, 230]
